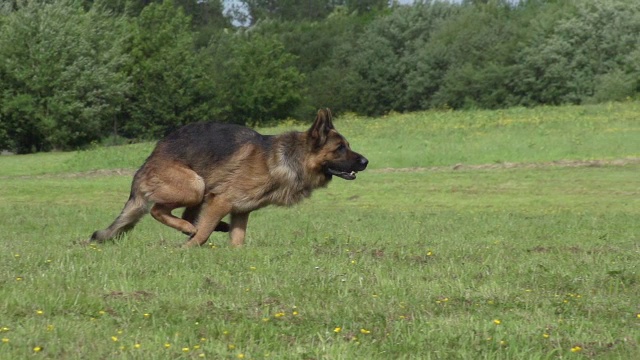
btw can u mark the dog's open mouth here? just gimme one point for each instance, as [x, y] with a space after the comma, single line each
[351, 175]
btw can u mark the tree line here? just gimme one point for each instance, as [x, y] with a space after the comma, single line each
[77, 72]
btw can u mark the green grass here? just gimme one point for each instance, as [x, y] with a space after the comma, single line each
[407, 264]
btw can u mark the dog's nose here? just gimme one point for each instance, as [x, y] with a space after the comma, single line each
[363, 162]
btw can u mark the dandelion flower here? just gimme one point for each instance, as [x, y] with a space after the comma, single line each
[278, 315]
[39, 312]
[167, 345]
[137, 345]
[4, 328]
[497, 322]
[231, 346]
[295, 313]
[545, 335]
[365, 331]
[185, 349]
[147, 315]
[429, 253]
[114, 338]
[5, 340]
[37, 349]
[252, 268]
[18, 278]
[337, 330]
[576, 349]
[240, 356]
[202, 354]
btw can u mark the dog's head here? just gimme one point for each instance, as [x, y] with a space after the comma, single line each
[334, 155]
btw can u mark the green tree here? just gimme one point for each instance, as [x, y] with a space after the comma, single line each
[322, 50]
[287, 10]
[171, 86]
[583, 55]
[385, 59]
[255, 78]
[60, 84]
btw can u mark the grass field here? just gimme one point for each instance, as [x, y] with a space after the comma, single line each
[465, 239]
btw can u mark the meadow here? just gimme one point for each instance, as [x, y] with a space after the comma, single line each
[508, 234]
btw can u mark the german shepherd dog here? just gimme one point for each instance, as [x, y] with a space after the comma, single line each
[213, 170]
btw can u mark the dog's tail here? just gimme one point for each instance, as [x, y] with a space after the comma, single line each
[135, 208]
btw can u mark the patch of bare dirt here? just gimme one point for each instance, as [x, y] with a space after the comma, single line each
[495, 166]
[515, 165]
[136, 295]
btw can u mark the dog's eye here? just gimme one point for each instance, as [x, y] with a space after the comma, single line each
[341, 147]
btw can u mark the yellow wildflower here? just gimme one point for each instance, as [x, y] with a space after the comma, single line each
[497, 322]
[365, 331]
[337, 329]
[576, 349]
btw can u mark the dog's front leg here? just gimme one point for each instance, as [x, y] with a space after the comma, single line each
[213, 209]
[238, 228]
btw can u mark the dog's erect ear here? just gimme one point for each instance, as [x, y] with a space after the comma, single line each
[321, 127]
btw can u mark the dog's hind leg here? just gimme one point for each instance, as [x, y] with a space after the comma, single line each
[134, 210]
[170, 188]
[162, 213]
[214, 208]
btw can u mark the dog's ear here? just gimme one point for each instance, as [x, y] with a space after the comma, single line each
[321, 127]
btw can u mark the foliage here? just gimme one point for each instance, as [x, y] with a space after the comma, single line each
[60, 83]
[585, 51]
[385, 61]
[308, 10]
[169, 78]
[255, 78]
[74, 72]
